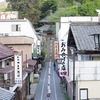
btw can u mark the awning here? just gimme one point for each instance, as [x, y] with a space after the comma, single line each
[7, 69]
[6, 94]
[31, 62]
[29, 69]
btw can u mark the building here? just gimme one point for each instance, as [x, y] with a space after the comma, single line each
[24, 44]
[20, 39]
[84, 68]
[80, 66]
[6, 72]
[17, 27]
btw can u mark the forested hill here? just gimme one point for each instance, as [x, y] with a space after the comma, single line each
[35, 10]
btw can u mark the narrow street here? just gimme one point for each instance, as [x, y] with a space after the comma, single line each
[42, 88]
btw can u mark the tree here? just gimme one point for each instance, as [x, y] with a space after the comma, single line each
[81, 8]
[27, 8]
[47, 6]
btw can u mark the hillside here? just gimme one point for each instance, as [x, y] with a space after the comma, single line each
[3, 6]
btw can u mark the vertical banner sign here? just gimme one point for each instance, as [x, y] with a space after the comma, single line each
[55, 49]
[63, 51]
[18, 68]
[38, 47]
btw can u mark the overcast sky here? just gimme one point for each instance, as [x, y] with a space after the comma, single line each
[2, 0]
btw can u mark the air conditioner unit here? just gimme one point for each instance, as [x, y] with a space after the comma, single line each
[6, 34]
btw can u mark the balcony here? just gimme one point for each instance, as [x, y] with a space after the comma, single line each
[85, 70]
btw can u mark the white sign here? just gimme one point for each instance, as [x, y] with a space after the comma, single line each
[9, 15]
[63, 51]
[39, 49]
[18, 68]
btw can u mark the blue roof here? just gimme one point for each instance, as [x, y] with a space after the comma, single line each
[6, 94]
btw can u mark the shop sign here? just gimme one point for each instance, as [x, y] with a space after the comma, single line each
[18, 68]
[63, 51]
[39, 49]
[8, 15]
[55, 49]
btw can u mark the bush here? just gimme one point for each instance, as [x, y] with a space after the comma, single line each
[43, 53]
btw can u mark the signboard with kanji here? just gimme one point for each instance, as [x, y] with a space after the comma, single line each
[55, 49]
[63, 51]
[18, 68]
[8, 15]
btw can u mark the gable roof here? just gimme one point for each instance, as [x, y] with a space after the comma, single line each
[6, 94]
[82, 32]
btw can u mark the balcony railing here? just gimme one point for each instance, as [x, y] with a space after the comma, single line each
[85, 70]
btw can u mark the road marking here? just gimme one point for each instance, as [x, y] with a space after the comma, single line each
[54, 86]
[43, 84]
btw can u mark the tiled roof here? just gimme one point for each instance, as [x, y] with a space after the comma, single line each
[44, 28]
[5, 51]
[43, 20]
[6, 94]
[82, 34]
[7, 69]
[31, 64]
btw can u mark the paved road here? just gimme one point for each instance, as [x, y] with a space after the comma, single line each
[42, 89]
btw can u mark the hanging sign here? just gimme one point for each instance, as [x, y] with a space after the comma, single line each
[55, 49]
[63, 51]
[18, 68]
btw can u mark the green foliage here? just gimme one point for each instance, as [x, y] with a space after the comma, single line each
[62, 12]
[47, 6]
[43, 53]
[88, 8]
[75, 8]
[3, 6]
[27, 8]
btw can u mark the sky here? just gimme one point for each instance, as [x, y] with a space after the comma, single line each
[2, 0]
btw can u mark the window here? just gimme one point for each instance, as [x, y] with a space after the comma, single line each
[16, 28]
[84, 94]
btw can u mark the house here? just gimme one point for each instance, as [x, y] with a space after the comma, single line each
[24, 44]
[6, 70]
[83, 80]
[19, 35]
[6, 66]
[62, 29]
[65, 30]
[18, 27]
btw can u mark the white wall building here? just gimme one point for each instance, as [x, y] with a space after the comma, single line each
[87, 75]
[18, 27]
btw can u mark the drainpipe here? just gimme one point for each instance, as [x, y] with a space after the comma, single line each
[73, 75]
[28, 84]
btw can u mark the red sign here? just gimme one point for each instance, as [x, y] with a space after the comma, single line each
[55, 49]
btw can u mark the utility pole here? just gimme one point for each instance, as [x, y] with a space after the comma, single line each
[76, 8]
